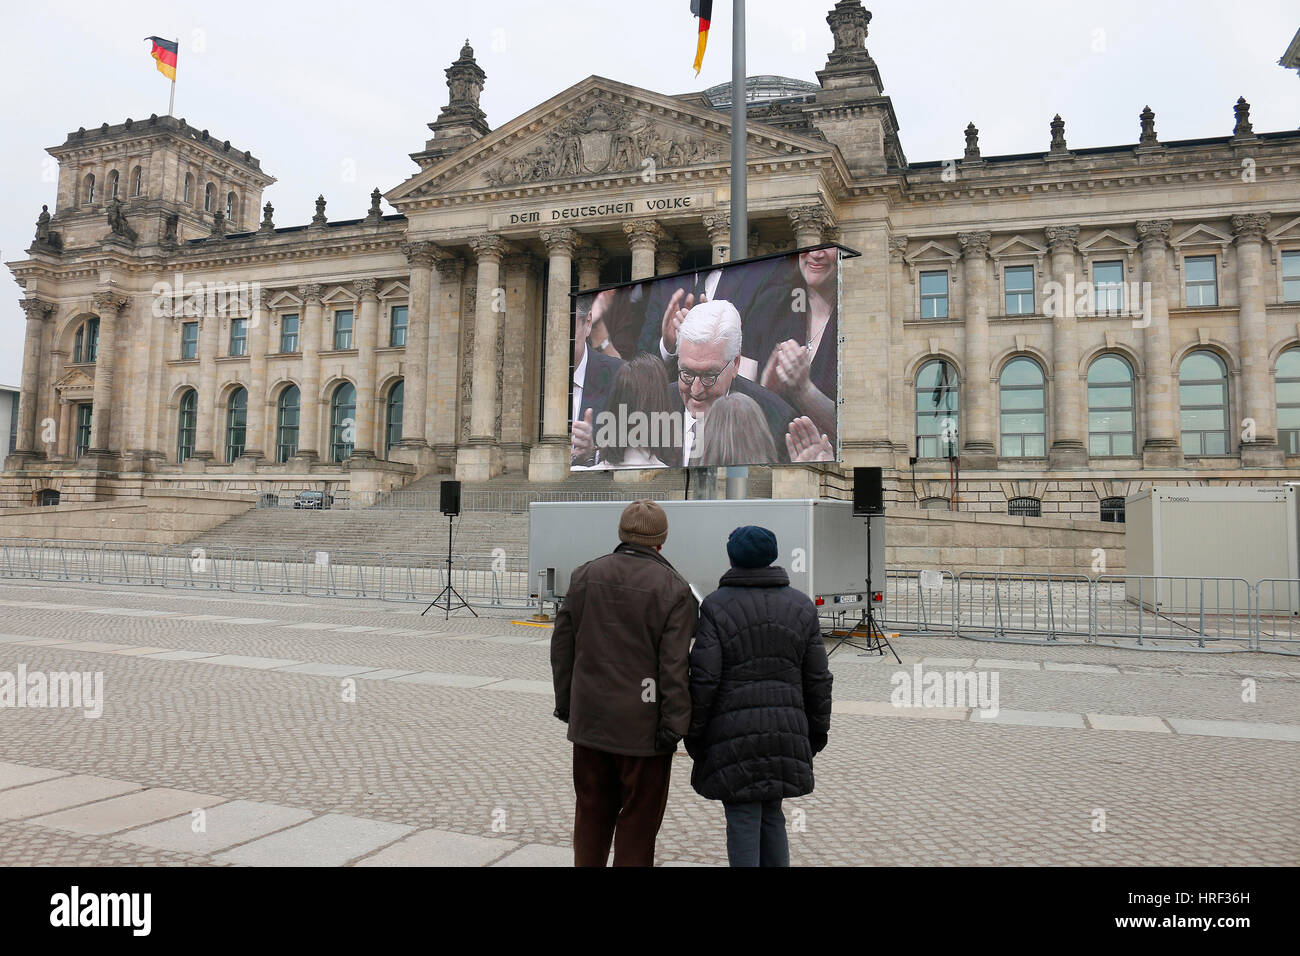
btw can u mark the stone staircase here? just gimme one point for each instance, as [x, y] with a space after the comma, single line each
[495, 515]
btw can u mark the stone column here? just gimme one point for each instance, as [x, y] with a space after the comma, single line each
[259, 333]
[366, 333]
[481, 459]
[668, 257]
[1161, 448]
[1257, 391]
[718, 226]
[415, 372]
[642, 235]
[108, 305]
[309, 337]
[1069, 448]
[549, 460]
[978, 396]
[451, 272]
[64, 446]
[809, 224]
[588, 256]
[513, 379]
[37, 311]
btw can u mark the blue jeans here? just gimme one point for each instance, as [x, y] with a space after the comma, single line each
[756, 834]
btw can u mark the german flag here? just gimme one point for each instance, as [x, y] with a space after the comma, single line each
[164, 52]
[704, 10]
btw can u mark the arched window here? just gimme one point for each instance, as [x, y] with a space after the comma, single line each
[85, 344]
[343, 421]
[137, 182]
[236, 423]
[207, 197]
[1112, 431]
[189, 188]
[1203, 401]
[936, 410]
[1024, 409]
[47, 498]
[90, 188]
[112, 184]
[393, 419]
[186, 421]
[1025, 507]
[231, 203]
[1288, 401]
[286, 424]
[1112, 509]
[936, 504]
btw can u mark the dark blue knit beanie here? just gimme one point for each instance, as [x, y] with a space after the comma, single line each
[751, 547]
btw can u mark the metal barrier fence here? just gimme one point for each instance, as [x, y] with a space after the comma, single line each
[515, 502]
[1224, 612]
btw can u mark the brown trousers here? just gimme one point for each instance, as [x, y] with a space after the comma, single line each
[621, 800]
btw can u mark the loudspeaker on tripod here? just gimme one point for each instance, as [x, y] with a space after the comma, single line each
[449, 498]
[868, 491]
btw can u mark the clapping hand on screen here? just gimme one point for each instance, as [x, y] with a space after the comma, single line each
[787, 369]
[681, 303]
[582, 441]
[804, 443]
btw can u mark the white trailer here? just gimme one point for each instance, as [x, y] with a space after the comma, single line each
[1245, 532]
[820, 544]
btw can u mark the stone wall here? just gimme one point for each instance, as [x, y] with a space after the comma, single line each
[961, 541]
[157, 517]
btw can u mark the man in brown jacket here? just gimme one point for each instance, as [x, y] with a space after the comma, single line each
[619, 656]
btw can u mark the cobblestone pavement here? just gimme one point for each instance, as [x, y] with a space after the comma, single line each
[226, 738]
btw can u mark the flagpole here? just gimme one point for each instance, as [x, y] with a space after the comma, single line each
[738, 477]
[171, 100]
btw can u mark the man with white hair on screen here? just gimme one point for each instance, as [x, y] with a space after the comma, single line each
[708, 357]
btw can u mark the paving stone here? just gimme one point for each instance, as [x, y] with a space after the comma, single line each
[384, 673]
[959, 662]
[1145, 724]
[883, 708]
[537, 854]
[225, 825]
[1235, 728]
[990, 664]
[1030, 718]
[256, 663]
[445, 680]
[130, 810]
[141, 651]
[440, 848]
[523, 686]
[95, 646]
[180, 655]
[326, 670]
[18, 775]
[330, 840]
[57, 793]
[309, 626]
[42, 641]
[1080, 668]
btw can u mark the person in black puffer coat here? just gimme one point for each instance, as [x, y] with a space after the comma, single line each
[760, 698]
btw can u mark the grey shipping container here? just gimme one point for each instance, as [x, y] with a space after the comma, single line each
[1242, 532]
[821, 544]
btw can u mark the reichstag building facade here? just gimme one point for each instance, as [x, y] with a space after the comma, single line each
[1040, 333]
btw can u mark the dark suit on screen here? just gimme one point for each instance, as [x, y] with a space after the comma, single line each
[776, 411]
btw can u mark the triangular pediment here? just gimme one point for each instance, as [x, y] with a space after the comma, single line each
[595, 130]
[284, 300]
[76, 378]
[1107, 240]
[933, 252]
[1200, 235]
[1017, 246]
[1288, 230]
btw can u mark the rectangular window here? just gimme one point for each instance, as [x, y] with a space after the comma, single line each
[239, 336]
[1291, 276]
[397, 326]
[289, 333]
[934, 295]
[84, 417]
[189, 340]
[343, 329]
[1108, 287]
[1202, 281]
[1020, 290]
[92, 340]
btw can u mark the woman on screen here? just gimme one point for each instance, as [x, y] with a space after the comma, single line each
[736, 433]
[641, 427]
[798, 352]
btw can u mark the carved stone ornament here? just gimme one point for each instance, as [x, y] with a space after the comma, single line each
[974, 245]
[848, 22]
[1062, 237]
[603, 139]
[1154, 232]
[117, 223]
[1249, 227]
[972, 143]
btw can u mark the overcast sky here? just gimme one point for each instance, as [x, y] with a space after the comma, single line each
[332, 97]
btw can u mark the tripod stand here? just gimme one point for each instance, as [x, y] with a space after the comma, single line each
[449, 591]
[868, 627]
